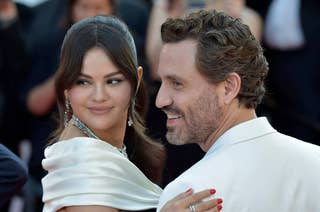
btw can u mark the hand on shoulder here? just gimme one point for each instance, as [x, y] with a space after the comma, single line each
[189, 201]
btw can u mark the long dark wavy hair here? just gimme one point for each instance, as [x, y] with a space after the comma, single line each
[113, 36]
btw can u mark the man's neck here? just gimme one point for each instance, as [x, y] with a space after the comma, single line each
[231, 118]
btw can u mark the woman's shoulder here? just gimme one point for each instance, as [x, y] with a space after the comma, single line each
[81, 152]
[87, 171]
[77, 144]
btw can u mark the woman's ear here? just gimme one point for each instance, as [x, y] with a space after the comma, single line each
[140, 74]
[232, 85]
[66, 96]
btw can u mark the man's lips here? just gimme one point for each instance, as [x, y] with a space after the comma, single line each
[172, 119]
[170, 116]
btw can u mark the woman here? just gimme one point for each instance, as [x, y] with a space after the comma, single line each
[99, 92]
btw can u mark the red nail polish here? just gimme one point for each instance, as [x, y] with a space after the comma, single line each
[219, 207]
[212, 191]
[220, 201]
[189, 190]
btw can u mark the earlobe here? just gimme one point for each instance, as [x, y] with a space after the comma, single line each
[232, 87]
[66, 94]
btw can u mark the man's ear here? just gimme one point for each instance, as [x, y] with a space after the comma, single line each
[140, 74]
[232, 85]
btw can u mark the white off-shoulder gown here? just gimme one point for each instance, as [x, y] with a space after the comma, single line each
[87, 171]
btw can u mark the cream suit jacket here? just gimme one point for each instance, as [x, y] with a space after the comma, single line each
[254, 168]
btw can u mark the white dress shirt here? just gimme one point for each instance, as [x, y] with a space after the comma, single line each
[256, 169]
[87, 171]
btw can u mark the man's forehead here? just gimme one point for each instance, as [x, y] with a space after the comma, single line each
[177, 60]
[180, 54]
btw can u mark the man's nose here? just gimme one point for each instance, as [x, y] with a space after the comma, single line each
[163, 97]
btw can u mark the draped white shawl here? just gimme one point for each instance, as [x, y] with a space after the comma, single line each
[87, 171]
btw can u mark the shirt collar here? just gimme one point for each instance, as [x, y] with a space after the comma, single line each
[242, 132]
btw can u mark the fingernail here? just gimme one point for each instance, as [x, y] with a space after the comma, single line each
[212, 191]
[189, 190]
[220, 201]
[219, 207]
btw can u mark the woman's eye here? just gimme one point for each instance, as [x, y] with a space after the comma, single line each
[113, 81]
[82, 82]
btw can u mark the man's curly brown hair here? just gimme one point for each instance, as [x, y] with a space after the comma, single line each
[224, 45]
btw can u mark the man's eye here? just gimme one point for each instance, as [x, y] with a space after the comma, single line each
[177, 84]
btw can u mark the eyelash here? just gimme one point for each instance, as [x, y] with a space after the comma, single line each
[82, 82]
[177, 85]
[114, 81]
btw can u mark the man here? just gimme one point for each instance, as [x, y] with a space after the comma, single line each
[212, 71]
[13, 174]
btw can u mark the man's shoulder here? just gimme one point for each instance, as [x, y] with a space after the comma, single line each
[295, 144]
[191, 178]
[174, 188]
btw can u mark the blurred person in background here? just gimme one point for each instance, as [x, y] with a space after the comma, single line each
[292, 41]
[15, 19]
[14, 64]
[238, 9]
[13, 174]
[163, 9]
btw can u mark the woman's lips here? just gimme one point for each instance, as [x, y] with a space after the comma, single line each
[99, 110]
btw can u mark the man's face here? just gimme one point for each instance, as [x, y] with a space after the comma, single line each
[192, 103]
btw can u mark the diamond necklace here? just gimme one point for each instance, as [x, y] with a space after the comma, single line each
[81, 126]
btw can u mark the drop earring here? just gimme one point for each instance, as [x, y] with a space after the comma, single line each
[130, 122]
[66, 112]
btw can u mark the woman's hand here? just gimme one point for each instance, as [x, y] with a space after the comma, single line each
[189, 202]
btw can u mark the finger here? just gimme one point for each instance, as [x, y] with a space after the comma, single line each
[183, 195]
[196, 197]
[218, 208]
[209, 204]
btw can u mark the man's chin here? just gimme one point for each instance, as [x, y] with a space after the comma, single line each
[174, 139]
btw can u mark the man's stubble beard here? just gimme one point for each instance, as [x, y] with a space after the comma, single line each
[200, 121]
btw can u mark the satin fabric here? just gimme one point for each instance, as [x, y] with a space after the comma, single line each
[87, 171]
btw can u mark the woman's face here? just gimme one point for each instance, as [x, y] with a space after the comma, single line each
[88, 8]
[101, 95]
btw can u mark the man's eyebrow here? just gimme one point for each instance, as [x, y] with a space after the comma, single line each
[173, 77]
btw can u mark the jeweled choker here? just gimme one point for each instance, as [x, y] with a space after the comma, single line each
[86, 130]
